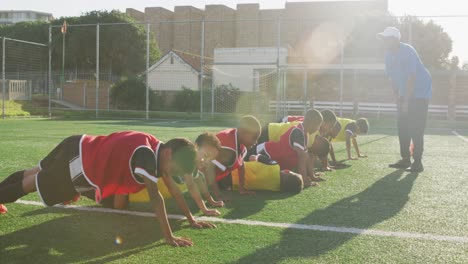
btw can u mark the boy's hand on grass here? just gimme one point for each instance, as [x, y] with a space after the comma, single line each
[200, 225]
[309, 183]
[317, 179]
[179, 241]
[246, 192]
[211, 212]
[216, 203]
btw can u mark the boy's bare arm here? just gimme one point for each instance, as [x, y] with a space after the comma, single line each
[302, 165]
[210, 174]
[194, 192]
[348, 147]
[177, 194]
[356, 147]
[202, 186]
[332, 154]
[160, 212]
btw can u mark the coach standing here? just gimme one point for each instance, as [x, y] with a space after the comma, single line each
[412, 86]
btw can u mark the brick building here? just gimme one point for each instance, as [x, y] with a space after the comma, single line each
[248, 25]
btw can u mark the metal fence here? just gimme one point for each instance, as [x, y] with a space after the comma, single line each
[24, 73]
[208, 68]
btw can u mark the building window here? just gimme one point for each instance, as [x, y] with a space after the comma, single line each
[172, 59]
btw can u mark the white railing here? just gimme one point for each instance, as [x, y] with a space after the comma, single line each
[16, 90]
[361, 108]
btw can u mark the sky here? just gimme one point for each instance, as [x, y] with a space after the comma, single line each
[456, 27]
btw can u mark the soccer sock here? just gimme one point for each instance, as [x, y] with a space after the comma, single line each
[15, 177]
[11, 192]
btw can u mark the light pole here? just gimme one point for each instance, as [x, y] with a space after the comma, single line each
[64, 34]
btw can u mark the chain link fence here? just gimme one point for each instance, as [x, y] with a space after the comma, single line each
[222, 66]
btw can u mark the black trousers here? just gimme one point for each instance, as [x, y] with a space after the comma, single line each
[411, 126]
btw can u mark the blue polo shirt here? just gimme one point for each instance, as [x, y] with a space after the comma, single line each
[400, 65]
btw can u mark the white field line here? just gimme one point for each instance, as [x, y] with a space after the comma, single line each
[460, 136]
[166, 122]
[348, 230]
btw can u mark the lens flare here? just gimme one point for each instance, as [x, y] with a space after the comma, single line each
[118, 240]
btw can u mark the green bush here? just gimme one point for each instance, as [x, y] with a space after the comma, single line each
[130, 94]
[187, 100]
[226, 98]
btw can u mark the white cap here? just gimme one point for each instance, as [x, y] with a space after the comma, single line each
[389, 32]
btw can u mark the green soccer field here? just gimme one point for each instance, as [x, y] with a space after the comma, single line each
[364, 213]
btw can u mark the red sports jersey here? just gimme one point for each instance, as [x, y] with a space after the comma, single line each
[283, 151]
[289, 119]
[228, 140]
[106, 161]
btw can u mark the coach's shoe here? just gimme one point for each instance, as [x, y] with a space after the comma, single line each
[3, 209]
[416, 167]
[401, 164]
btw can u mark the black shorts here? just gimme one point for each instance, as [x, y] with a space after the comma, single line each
[54, 182]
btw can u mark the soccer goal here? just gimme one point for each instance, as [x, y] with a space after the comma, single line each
[24, 74]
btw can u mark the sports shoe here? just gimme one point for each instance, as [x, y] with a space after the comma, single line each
[416, 167]
[3, 209]
[401, 164]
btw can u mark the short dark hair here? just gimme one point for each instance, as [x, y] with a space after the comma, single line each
[321, 147]
[328, 116]
[363, 125]
[250, 123]
[313, 116]
[209, 139]
[291, 183]
[183, 154]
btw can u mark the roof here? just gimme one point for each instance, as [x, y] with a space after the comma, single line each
[192, 60]
[25, 11]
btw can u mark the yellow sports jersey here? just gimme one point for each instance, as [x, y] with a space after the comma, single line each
[259, 176]
[142, 196]
[342, 134]
[311, 139]
[276, 130]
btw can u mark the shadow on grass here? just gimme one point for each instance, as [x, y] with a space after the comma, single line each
[243, 206]
[79, 237]
[380, 202]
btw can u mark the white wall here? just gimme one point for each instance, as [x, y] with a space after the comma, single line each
[243, 76]
[171, 77]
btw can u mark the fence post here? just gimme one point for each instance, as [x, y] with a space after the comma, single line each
[278, 70]
[354, 91]
[341, 77]
[97, 70]
[3, 78]
[147, 68]
[212, 94]
[49, 84]
[306, 102]
[410, 31]
[202, 61]
[452, 114]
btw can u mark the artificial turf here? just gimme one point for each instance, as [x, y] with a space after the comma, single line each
[366, 195]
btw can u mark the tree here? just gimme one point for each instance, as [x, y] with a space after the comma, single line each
[430, 40]
[122, 47]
